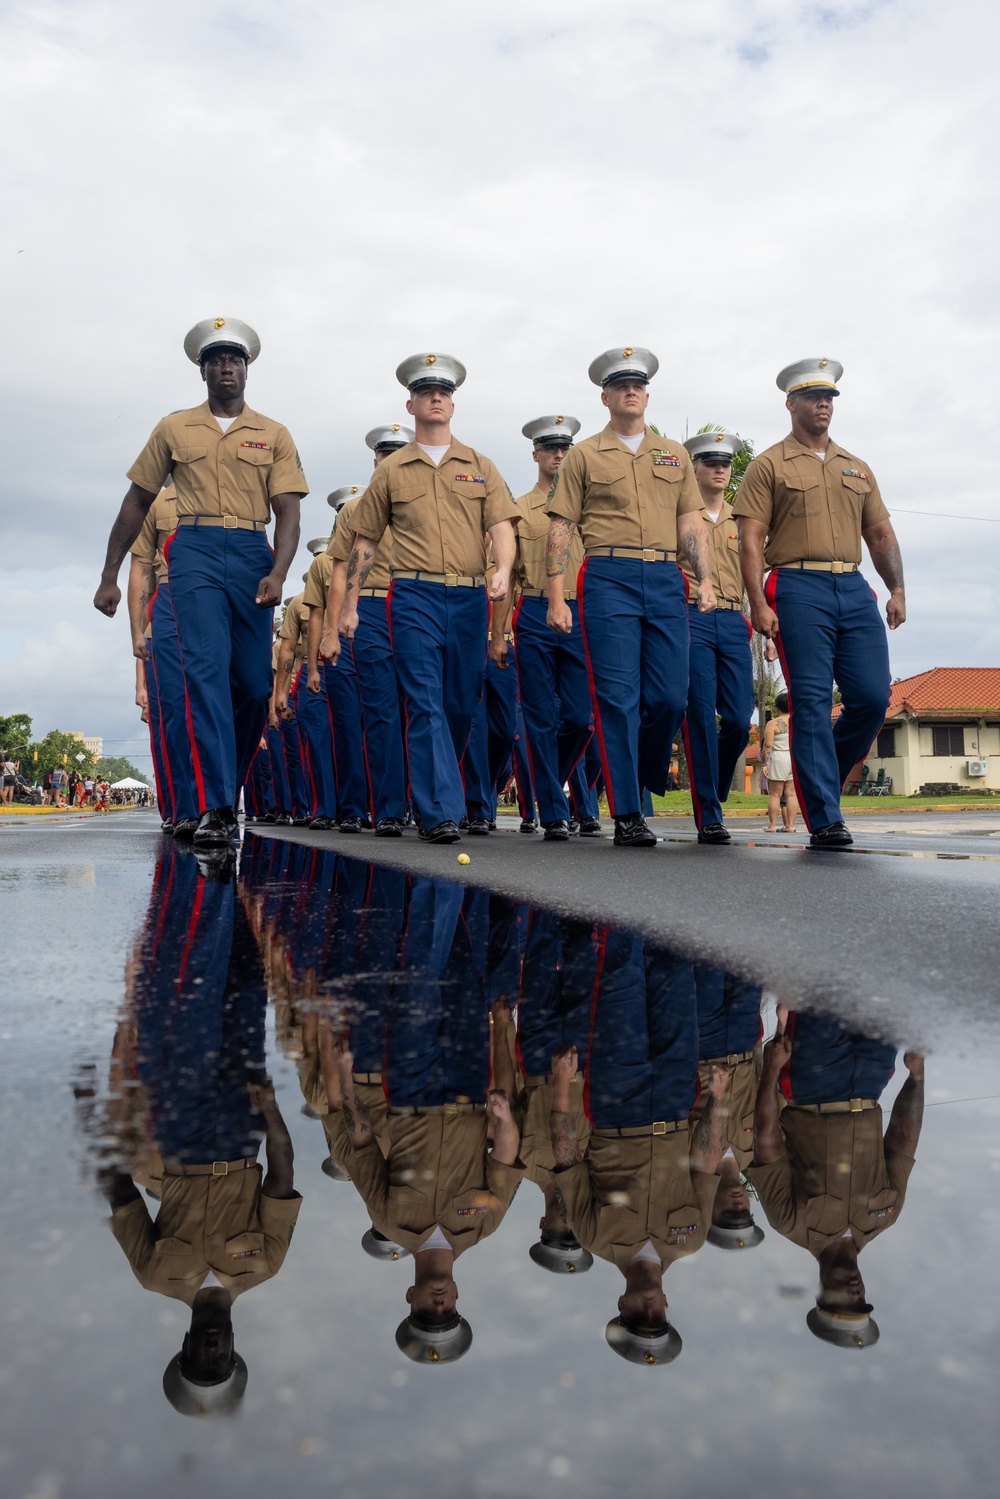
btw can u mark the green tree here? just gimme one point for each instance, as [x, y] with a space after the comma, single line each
[56, 749]
[115, 768]
[15, 733]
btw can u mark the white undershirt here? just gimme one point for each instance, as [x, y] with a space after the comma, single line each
[225, 422]
[211, 1279]
[820, 456]
[715, 519]
[630, 442]
[434, 1240]
[435, 454]
[647, 1252]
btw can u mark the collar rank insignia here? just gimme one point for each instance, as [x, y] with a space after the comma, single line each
[471, 478]
[663, 459]
[265, 447]
[855, 473]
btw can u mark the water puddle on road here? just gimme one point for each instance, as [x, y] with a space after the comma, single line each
[365, 1182]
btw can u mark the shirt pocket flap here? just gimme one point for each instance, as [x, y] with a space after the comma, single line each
[188, 455]
[667, 473]
[405, 496]
[257, 456]
[469, 488]
[605, 473]
[245, 1246]
[173, 1246]
[859, 485]
[733, 542]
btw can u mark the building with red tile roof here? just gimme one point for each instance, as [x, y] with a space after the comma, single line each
[942, 728]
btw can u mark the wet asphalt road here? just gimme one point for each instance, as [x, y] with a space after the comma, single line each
[899, 934]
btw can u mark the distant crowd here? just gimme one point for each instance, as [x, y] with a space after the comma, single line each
[66, 789]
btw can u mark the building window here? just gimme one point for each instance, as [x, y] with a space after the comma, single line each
[949, 740]
[885, 744]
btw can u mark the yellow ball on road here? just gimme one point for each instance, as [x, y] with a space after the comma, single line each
[464, 859]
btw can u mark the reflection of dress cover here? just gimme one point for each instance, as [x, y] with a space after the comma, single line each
[837, 1174]
[200, 1020]
[642, 1073]
[729, 1032]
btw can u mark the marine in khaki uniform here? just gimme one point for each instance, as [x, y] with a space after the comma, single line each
[151, 614]
[826, 1177]
[381, 695]
[803, 509]
[551, 666]
[720, 694]
[291, 653]
[633, 497]
[441, 499]
[232, 468]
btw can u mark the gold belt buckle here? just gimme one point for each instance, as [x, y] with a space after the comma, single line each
[450, 1110]
[836, 567]
[230, 523]
[451, 580]
[649, 554]
[857, 1106]
[734, 1058]
[220, 1168]
[660, 1127]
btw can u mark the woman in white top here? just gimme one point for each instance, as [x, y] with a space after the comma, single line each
[778, 769]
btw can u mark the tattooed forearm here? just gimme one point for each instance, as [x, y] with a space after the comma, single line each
[707, 1141]
[692, 539]
[366, 568]
[889, 565]
[558, 548]
[357, 1119]
[352, 566]
[565, 1145]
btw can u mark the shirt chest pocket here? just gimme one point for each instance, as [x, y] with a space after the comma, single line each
[406, 507]
[804, 495]
[245, 1250]
[187, 455]
[609, 483]
[733, 542]
[469, 493]
[254, 468]
[165, 1247]
[533, 527]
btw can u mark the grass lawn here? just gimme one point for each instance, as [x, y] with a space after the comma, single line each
[742, 804]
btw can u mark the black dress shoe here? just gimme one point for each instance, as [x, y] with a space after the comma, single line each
[389, 827]
[283, 820]
[573, 826]
[492, 825]
[321, 825]
[834, 835]
[478, 826]
[167, 828]
[463, 826]
[215, 828]
[268, 817]
[528, 825]
[632, 832]
[556, 832]
[301, 822]
[185, 828]
[590, 827]
[714, 832]
[441, 832]
[351, 824]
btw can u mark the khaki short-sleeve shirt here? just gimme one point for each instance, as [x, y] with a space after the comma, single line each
[295, 626]
[342, 545]
[638, 1188]
[618, 498]
[814, 509]
[157, 529]
[318, 582]
[724, 550]
[220, 473]
[437, 1172]
[220, 1223]
[439, 515]
[532, 544]
[837, 1175]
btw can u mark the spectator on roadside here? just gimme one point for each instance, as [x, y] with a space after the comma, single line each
[776, 753]
[10, 769]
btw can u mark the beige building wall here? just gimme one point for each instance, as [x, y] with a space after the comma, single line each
[915, 763]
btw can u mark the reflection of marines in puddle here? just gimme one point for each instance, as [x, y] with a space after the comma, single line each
[553, 1013]
[729, 1034]
[641, 1194]
[438, 1189]
[222, 1227]
[826, 1177]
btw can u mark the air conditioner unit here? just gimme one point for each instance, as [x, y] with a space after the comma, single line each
[977, 767]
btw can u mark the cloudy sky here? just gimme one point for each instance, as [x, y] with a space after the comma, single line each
[733, 183]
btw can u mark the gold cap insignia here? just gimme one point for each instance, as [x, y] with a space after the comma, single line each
[627, 353]
[570, 1269]
[220, 322]
[719, 436]
[354, 489]
[823, 363]
[650, 1358]
[433, 1357]
[740, 1244]
[859, 1342]
[431, 359]
[560, 419]
[395, 426]
[394, 1255]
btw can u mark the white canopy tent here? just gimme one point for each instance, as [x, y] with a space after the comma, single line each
[129, 784]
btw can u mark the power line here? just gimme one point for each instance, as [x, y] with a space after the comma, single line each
[993, 520]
